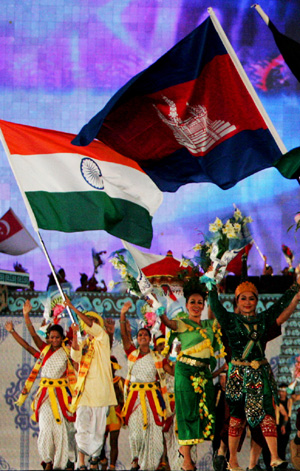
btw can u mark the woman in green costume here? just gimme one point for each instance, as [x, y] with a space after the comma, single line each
[194, 391]
[251, 387]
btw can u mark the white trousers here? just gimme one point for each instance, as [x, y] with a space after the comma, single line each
[90, 429]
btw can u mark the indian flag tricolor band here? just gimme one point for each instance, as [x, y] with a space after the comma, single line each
[73, 189]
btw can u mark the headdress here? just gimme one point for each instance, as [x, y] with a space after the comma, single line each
[95, 316]
[246, 286]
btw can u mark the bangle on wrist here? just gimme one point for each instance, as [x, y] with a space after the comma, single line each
[12, 331]
[122, 322]
[160, 311]
[28, 323]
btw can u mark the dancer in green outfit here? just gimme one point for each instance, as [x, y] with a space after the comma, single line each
[194, 391]
[251, 387]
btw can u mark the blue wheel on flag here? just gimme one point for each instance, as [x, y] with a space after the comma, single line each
[91, 173]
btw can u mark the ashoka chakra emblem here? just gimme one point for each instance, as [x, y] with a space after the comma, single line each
[91, 173]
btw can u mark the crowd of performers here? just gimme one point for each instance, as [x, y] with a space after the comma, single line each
[168, 407]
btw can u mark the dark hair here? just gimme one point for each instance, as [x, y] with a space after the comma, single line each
[193, 286]
[146, 329]
[283, 385]
[57, 328]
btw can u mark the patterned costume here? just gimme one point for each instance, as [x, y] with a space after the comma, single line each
[145, 409]
[56, 442]
[251, 387]
[194, 390]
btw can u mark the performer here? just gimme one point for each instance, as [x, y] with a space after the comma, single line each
[194, 390]
[56, 444]
[146, 401]
[94, 390]
[251, 387]
[114, 420]
[258, 442]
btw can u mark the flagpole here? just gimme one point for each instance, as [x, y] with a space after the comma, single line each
[54, 275]
[261, 13]
[258, 250]
[246, 80]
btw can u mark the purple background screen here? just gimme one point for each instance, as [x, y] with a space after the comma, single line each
[61, 61]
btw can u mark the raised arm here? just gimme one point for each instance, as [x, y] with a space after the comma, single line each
[87, 320]
[10, 328]
[288, 310]
[75, 344]
[125, 332]
[35, 337]
[285, 305]
[109, 325]
[222, 315]
[165, 320]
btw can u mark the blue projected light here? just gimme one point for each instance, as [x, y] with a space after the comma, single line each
[62, 61]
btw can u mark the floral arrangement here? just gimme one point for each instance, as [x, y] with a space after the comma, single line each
[227, 239]
[120, 264]
[149, 315]
[188, 264]
[204, 249]
[288, 255]
[231, 234]
[199, 383]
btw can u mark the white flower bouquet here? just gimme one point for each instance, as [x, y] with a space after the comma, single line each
[225, 243]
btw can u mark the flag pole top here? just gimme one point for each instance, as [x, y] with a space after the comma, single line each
[244, 76]
[261, 13]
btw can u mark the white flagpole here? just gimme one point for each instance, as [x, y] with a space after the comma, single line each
[261, 13]
[246, 80]
[54, 275]
[258, 250]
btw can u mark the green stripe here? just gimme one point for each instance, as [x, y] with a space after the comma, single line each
[289, 164]
[89, 211]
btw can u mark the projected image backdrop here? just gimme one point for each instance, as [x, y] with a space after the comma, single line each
[62, 60]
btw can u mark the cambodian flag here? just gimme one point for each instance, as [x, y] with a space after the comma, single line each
[192, 116]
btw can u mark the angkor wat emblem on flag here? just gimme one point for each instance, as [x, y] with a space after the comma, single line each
[197, 132]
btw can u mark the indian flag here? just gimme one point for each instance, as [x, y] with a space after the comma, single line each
[71, 189]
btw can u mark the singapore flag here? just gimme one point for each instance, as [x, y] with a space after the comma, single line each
[14, 237]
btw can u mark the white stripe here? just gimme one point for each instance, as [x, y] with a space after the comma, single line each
[30, 212]
[59, 173]
[142, 259]
[19, 243]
